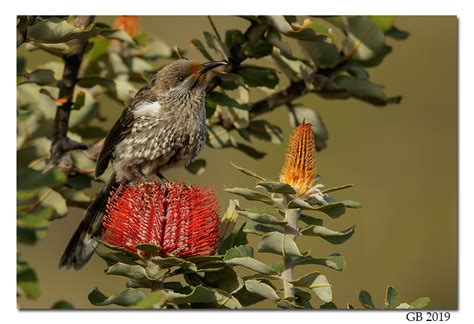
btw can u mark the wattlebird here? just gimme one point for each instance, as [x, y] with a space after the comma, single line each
[162, 126]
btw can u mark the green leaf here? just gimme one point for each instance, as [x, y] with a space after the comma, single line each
[89, 82]
[250, 194]
[385, 23]
[301, 33]
[247, 298]
[420, 303]
[396, 33]
[318, 283]
[266, 131]
[197, 167]
[223, 99]
[277, 187]
[332, 189]
[262, 289]
[278, 243]
[365, 90]
[252, 264]
[259, 77]
[258, 50]
[310, 220]
[173, 261]
[335, 261]
[58, 30]
[248, 172]
[392, 300]
[238, 252]
[41, 77]
[55, 201]
[135, 272]
[298, 114]
[197, 44]
[351, 204]
[225, 279]
[202, 294]
[112, 258]
[155, 49]
[218, 137]
[157, 299]
[333, 237]
[366, 300]
[333, 210]
[148, 247]
[262, 218]
[260, 229]
[126, 297]
[234, 37]
[62, 304]
[214, 43]
[365, 42]
[329, 305]
[321, 53]
[27, 280]
[119, 34]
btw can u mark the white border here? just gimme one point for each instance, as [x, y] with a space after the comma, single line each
[460, 8]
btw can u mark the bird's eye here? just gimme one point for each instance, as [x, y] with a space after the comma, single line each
[181, 78]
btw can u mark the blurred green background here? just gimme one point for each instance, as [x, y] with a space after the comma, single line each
[401, 158]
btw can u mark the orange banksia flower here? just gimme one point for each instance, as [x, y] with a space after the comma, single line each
[127, 23]
[182, 220]
[299, 170]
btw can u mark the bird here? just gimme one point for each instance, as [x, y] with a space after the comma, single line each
[163, 126]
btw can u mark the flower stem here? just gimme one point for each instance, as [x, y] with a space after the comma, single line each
[291, 231]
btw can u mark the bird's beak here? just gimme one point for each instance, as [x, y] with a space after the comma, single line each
[210, 65]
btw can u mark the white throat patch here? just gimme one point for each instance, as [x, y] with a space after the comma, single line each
[147, 109]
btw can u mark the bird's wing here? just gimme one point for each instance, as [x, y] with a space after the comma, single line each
[120, 130]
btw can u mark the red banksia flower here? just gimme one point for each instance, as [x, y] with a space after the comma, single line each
[299, 170]
[182, 220]
[127, 23]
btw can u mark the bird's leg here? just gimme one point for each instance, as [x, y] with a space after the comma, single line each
[162, 177]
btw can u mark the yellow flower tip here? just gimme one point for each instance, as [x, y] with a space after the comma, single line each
[299, 169]
[127, 23]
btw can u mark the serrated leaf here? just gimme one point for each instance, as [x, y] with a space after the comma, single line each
[202, 294]
[277, 187]
[420, 303]
[392, 300]
[197, 167]
[318, 283]
[366, 300]
[262, 218]
[41, 77]
[365, 42]
[119, 34]
[248, 172]
[261, 289]
[332, 189]
[62, 304]
[266, 131]
[333, 237]
[58, 30]
[27, 280]
[238, 252]
[156, 299]
[260, 229]
[333, 210]
[365, 90]
[197, 44]
[126, 297]
[259, 77]
[252, 264]
[250, 194]
[278, 243]
[335, 261]
[173, 261]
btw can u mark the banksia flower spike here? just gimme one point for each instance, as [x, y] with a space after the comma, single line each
[181, 220]
[127, 23]
[299, 170]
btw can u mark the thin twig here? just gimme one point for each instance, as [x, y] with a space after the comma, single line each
[61, 144]
[214, 28]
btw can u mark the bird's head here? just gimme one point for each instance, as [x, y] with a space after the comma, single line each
[184, 77]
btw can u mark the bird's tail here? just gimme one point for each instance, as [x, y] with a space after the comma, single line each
[83, 242]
